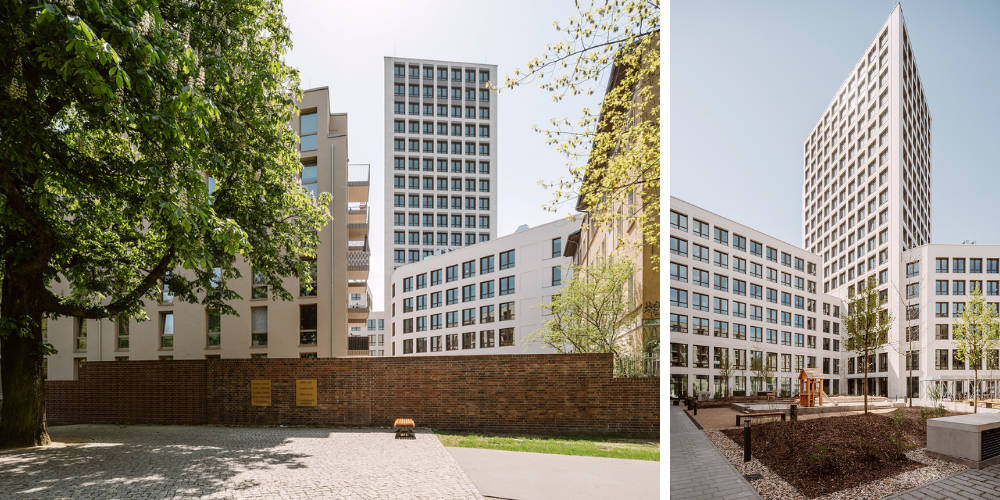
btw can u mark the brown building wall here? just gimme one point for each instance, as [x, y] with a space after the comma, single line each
[560, 393]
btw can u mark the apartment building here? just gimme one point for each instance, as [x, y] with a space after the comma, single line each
[481, 299]
[313, 324]
[866, 194]
[740, 294]
[623, 236]
[375, 330]
[440, 158]
[938, 282]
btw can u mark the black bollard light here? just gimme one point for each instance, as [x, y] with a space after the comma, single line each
[793, 412]
[746, 440]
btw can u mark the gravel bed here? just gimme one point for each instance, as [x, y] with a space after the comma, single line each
[773, 486]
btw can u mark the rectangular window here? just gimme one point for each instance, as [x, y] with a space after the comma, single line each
[307, 324]
[556, 275]
[167, 330]
[506, 285]
[213, 327]
[258, 326]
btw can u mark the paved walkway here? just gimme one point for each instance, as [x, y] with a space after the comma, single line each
[972, 484]
[527, 476]
[111, 461]
[697, 468]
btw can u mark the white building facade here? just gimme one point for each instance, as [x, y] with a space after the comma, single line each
[375, 330]
[481, 299]
[939, 280]
[440, 158]
[740, 294]
[866, 194]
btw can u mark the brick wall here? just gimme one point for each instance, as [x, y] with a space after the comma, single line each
[154, 392]
[543, 393]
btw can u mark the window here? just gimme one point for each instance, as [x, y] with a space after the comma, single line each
[307, 131]
[739, 242]
[678, 247]
[506, 285]
[452, 273]
[80, 332]
[700, 253]
[166, 330]
[958, 265]
[678, 221]
[486, 314]
[506, 337]
[468, 269]
[975, 265]
[486, 339]
[258, 326]
[486, 265]
[469, 340]
[506, 259]
[701, 229]
[678, 297]
[506, 311]
[941, 264]
[451, 296]
[556, 275]
[213, 328]
[721, 236]
[468, 293]
[556, 247]
[307, 324]
[259, 290]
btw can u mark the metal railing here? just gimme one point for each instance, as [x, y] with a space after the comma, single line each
[637, 366]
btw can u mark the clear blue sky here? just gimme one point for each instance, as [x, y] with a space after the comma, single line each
[750, 79]
[341, 44]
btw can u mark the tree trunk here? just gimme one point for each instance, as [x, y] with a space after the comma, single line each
[22, 415]
[975, 389]
[866, 384]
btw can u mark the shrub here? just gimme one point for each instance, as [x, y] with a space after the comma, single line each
[824, 459]
[739, 393]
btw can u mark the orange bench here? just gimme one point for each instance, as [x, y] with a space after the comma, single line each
[404, 428]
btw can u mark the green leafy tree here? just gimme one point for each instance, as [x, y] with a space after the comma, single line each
[590, 313]
[725, 369]
[113, 116]
[975, 333]
[867, 325]
[762, 370]
[613, 152]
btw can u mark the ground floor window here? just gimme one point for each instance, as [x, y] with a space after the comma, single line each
[700, 383]
[678, 386]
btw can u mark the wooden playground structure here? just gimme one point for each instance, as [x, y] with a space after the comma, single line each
[810, 387]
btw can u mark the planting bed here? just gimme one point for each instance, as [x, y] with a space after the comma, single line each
[825, 455]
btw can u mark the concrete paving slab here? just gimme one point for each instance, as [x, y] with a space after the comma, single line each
[526, 476]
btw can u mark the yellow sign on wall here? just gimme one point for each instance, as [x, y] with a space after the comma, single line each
[260, 392]
[305, 392]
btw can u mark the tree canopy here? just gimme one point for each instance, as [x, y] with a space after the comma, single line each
[113, 117]
[975, 333]
[589, 314]
[615, 151]
[867, 324]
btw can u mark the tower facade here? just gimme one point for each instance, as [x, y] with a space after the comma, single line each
[866, 191]
[440, 159]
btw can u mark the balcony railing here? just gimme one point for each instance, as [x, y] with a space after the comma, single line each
[358, 260]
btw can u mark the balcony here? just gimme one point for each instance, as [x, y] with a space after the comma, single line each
[358, 181]
[357, 221]
[358, 261]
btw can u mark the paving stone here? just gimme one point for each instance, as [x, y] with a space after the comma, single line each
[697, 468]
[102, 461]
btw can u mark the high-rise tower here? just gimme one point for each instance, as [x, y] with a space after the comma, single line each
[440, 159]
[866, 192]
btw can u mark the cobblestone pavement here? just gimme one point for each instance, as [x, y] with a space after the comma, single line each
[111, 461]
[972, 484]
[697, 468]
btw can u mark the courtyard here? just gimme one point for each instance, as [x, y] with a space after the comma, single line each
[113, 461]
[208, 461]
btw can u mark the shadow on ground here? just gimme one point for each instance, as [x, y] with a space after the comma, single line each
[146, 461]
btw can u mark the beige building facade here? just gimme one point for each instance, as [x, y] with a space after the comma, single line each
[313, 324]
